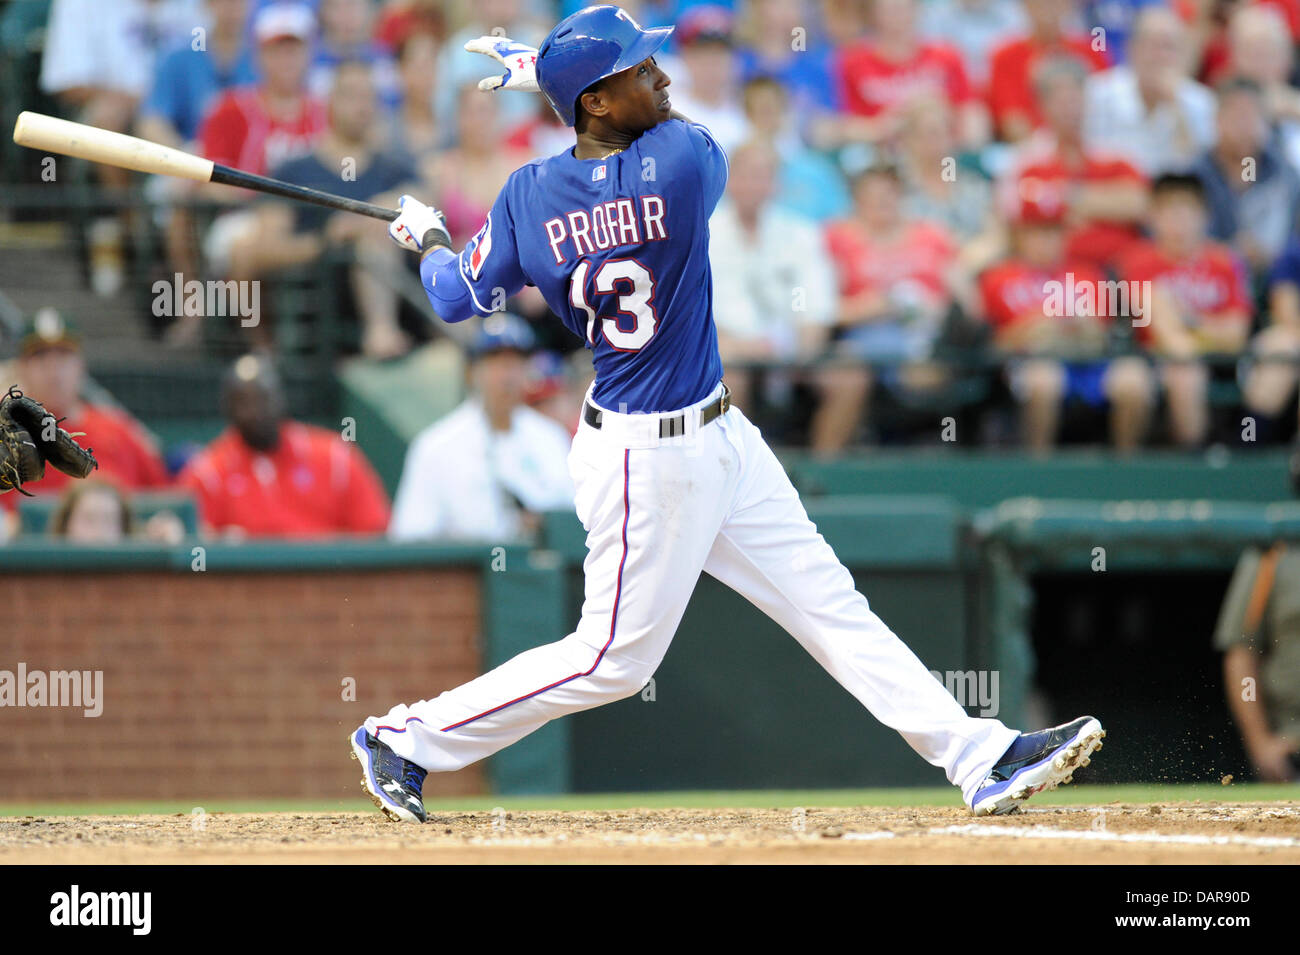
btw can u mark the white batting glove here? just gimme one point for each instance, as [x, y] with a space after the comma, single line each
[418, 226]
[519, 59]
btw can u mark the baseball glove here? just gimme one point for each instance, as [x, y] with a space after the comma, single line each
[29, 437]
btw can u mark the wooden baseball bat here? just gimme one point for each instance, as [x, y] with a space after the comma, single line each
[50, 134]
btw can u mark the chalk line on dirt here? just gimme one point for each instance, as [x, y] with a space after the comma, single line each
[1095, 835]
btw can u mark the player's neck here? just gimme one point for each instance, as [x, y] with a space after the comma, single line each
[598, 142]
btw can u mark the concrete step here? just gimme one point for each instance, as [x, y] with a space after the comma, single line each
[39, 266]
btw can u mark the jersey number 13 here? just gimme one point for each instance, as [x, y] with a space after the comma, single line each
[635, 286]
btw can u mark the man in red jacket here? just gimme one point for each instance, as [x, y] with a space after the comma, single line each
[269, 476]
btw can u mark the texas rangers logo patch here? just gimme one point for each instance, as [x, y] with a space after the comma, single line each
[482, 248]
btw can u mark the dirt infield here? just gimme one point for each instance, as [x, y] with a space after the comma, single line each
[1203, 832]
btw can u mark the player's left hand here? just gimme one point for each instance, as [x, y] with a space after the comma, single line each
[418, 226]
[519, 59]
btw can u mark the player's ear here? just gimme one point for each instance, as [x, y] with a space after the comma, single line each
[594, 102]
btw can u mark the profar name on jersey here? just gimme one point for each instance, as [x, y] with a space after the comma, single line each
[606, 226]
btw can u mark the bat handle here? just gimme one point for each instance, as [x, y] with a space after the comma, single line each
[247, 180]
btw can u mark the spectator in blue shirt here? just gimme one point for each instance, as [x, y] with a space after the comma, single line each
[1115, 18]
[346, 28]
[776, 40]
[807, 182]
[190, 76]
[1252, 191]
[1269, 388]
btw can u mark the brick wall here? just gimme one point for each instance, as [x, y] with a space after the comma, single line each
[227, 685]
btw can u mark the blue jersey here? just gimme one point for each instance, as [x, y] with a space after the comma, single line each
[619, 248]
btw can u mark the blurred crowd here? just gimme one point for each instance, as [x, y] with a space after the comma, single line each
[1084, 210]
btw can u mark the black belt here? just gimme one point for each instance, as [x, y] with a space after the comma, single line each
[673, 426]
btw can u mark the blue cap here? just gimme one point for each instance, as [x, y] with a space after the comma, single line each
[502, 331]
[588, 46]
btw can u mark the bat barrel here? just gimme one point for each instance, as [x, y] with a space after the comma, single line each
[51, 134]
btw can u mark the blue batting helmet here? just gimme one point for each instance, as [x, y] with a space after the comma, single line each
[588, 46]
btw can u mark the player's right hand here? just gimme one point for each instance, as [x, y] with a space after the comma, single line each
[418, 226]
[519, 59]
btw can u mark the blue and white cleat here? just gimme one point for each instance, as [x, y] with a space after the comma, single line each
[1037, 762]
[394, 783]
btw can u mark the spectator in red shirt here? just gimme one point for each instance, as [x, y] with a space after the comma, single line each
[881, 75]
[1050, 317]
[896, 282]
[1012, 99]
[52, 370]
[268, 476]
[1199, 300]
[256, 128]
[1105, 195]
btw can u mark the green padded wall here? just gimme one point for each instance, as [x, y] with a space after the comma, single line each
[984, 478]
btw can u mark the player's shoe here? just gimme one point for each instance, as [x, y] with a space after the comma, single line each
[394, 783]
[1037, 762]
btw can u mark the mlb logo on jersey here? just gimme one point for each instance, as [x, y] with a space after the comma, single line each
[598, 174]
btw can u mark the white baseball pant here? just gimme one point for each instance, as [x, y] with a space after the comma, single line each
[657, 512]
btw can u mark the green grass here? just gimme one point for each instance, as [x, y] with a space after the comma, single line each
[754, 799]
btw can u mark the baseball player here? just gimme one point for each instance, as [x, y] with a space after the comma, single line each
[670, 479]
